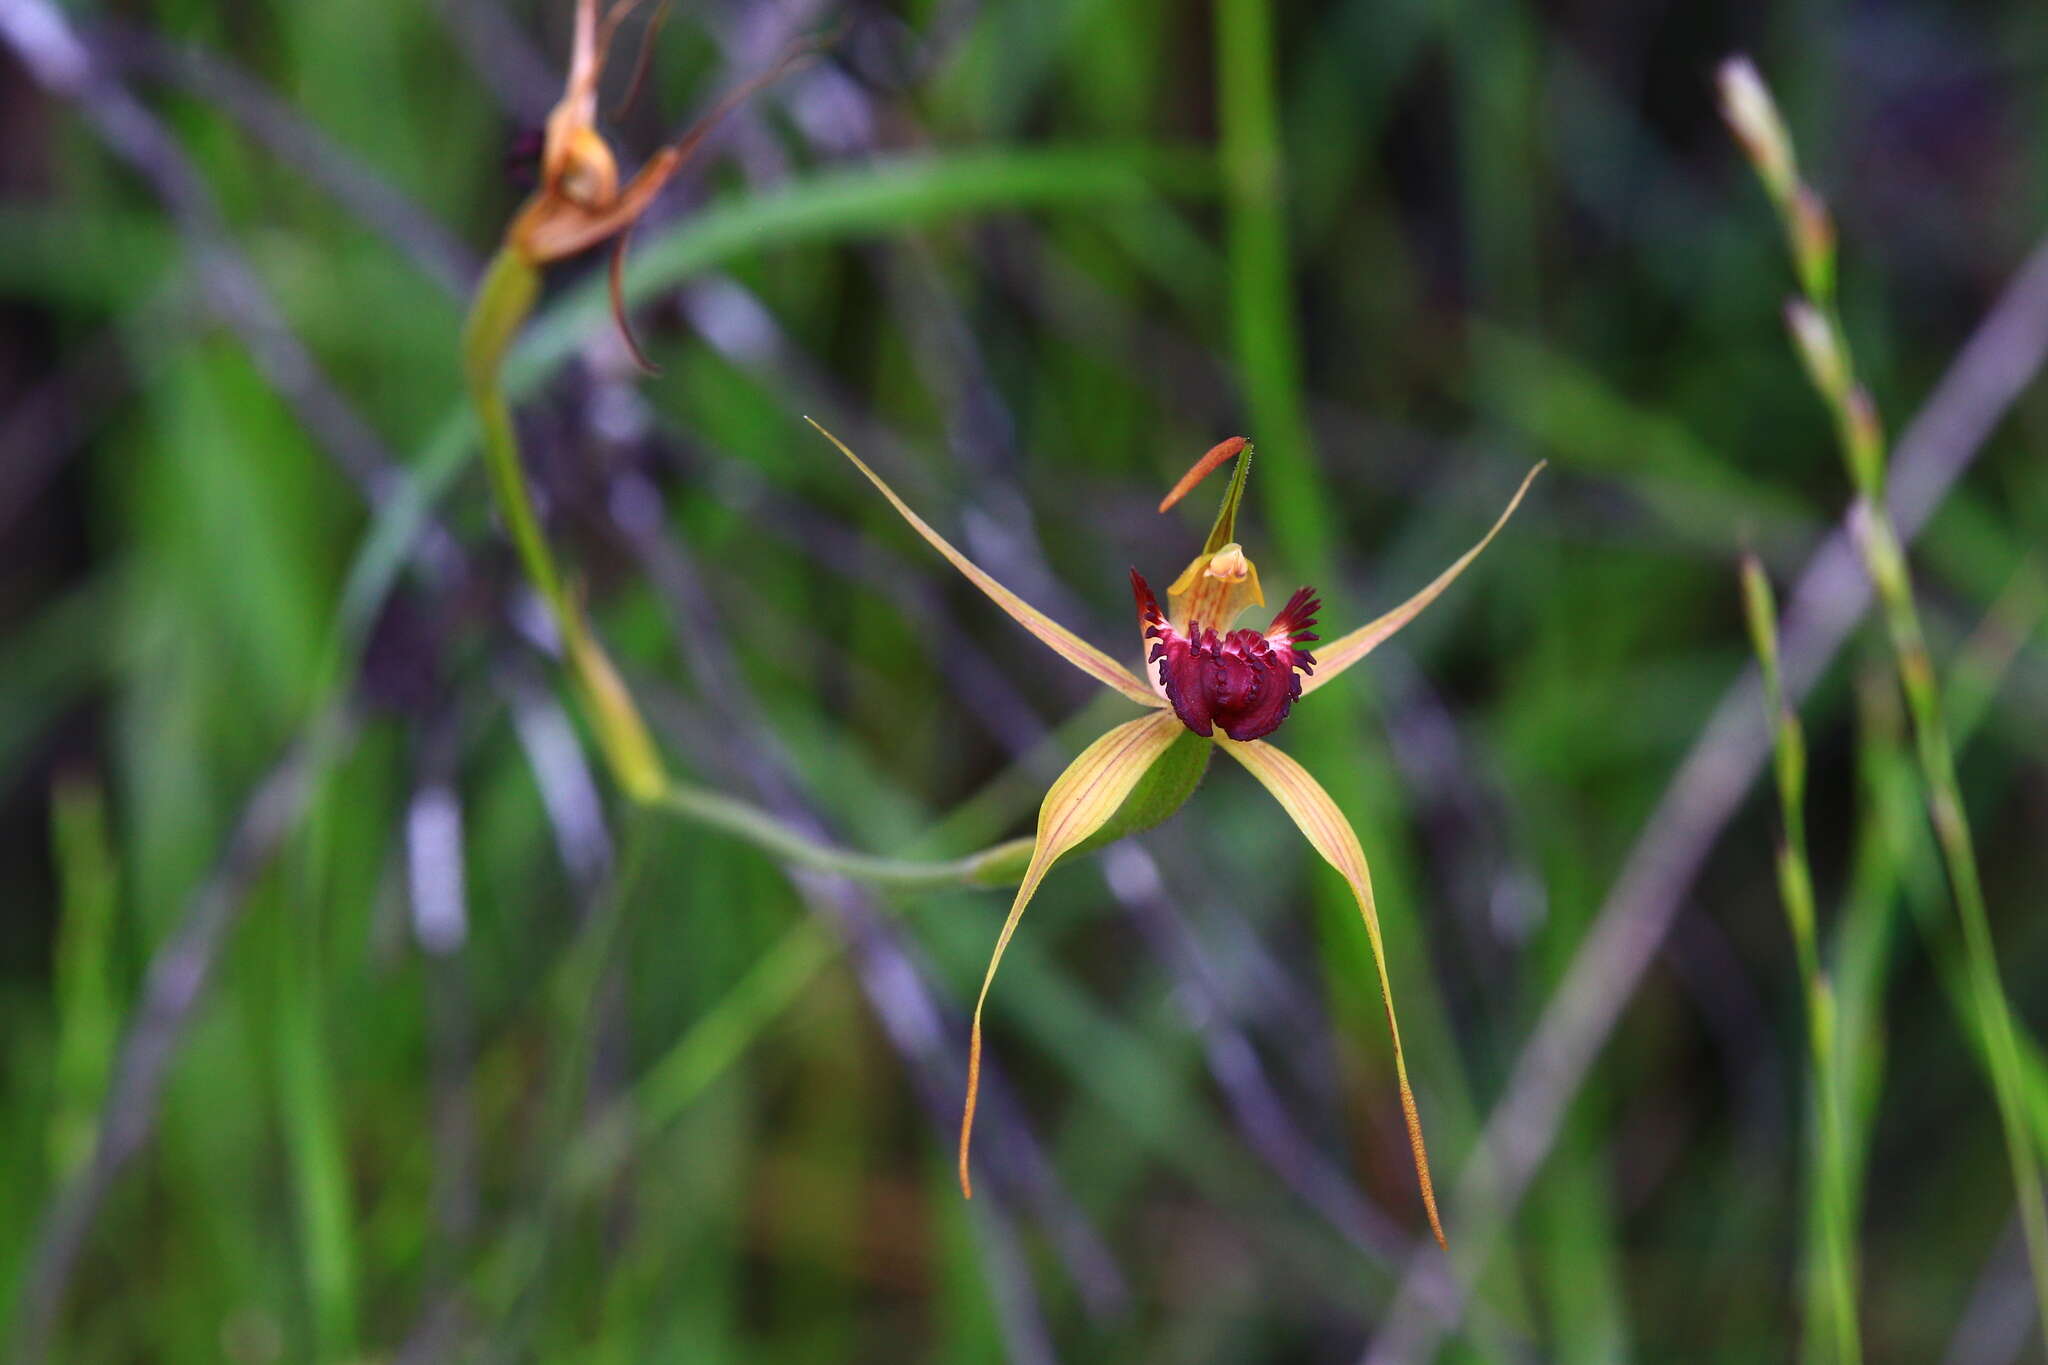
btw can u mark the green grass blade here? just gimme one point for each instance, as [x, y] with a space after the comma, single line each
[88, 1018]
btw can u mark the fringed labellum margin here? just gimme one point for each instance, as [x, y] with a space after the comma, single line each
[1240, 680]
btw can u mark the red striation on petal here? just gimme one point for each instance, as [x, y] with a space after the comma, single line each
[1244, 681]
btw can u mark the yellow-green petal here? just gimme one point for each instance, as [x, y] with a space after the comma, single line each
[1341, 653]
[1325, 827]
[1057, 637]
[1080, 802]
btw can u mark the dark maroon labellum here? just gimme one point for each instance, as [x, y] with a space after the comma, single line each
[1243, 680]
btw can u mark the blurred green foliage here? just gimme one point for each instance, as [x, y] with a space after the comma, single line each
[659, 1099]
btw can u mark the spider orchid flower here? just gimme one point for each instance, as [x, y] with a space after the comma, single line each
[579, 202]
[1208, 684]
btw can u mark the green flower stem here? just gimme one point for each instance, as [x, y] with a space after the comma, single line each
[502, 304]
[1817, 330]
[1000, 865]
[1833, 1191]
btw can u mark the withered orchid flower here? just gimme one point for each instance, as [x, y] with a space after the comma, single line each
[1206, 679]
[579, 202]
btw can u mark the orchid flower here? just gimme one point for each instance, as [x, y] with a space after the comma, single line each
[1208, 684]
[579, 202]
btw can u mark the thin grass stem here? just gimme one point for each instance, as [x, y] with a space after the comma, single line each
[1815, 321]
[1833, 1255]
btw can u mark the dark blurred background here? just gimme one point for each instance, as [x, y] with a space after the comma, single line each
[347, 1015]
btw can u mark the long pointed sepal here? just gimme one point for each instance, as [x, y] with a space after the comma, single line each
[1051, 633]
[1082, 801]
[1341, 653]
[1331, 835]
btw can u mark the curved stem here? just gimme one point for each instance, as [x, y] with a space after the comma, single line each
[503, 302]
[997, 865]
